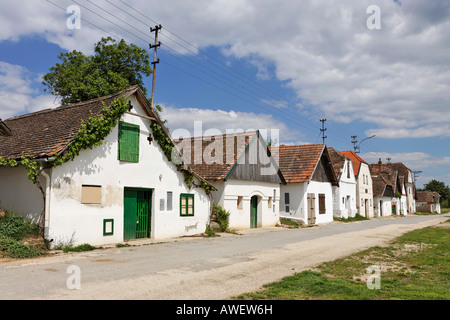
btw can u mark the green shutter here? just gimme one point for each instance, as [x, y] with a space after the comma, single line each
[128, 142]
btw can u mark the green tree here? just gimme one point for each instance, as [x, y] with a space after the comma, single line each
[439, 187]
[113, 67]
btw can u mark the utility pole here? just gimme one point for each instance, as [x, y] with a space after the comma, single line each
[415, 175]
[323, 130]
[155, 61]
[354, 141]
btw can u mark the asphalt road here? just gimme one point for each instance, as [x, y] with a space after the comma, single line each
[195, 268]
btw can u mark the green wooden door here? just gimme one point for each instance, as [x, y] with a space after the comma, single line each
[137, 213]
[254, 212]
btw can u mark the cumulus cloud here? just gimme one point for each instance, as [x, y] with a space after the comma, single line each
[397, 78]
[17, 92]
[413, 160]
[189, 122]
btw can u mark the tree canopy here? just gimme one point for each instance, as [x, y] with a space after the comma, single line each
[113, 67]
[439, 187]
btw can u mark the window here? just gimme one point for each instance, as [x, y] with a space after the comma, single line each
[269, 203]
[348, 170]
[274, 199]
[286, 201]
[128, 142]
[91, 194]
[169, 200]
[239, 202]
[186, 204]
[322, 208]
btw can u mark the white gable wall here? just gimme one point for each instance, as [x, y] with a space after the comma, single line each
[227, 197]
[364, 192]
[344, 195]
[298, 207]
[69, 218]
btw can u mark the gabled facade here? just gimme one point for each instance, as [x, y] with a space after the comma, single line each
[407, 182]
[344, 195]
[243, 171]
[387, 184]
[309, 174]
[124, 189]
[364, 184]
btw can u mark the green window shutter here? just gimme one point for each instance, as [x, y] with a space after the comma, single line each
[128, 142]
[186, 204]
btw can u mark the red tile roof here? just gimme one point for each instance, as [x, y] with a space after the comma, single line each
[297, 163]
[356, 160]
[427, 196]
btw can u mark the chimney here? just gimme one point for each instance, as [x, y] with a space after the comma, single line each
[379, 160]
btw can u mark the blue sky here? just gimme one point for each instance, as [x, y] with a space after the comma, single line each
[260, 64]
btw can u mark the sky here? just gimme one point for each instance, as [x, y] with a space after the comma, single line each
[369, 67]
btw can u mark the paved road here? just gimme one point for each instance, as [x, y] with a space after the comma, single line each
[197, 268]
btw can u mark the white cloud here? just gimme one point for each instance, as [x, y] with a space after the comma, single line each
[17, 94]
[396, 78]
[413, 160]
[195, 122]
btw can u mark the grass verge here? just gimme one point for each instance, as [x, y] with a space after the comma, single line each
[415, 266]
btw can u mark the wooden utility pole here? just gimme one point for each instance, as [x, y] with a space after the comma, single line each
[155, 61]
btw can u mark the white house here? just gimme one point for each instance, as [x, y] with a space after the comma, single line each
[344, 195]
[388, 190]
[307, 195]
[364, 185]
[407, 182]
[124, 189]
[246, 176]
[428, 201]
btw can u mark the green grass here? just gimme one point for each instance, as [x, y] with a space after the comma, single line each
[80, 248]
[415, 266]
[357, 217]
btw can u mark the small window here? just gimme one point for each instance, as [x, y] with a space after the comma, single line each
[322, 207]
[169, 200]
[128, 142]
[108, 227]
[91, 194]
[286, 201]
[348, 170]
[343, 200]
[239, 202]
[186, 204]
[269, 202]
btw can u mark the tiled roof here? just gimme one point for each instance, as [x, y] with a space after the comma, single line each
[427, 196]
[46, 133]
[297, 163]
[202, 147]
[356, 160]
[4, 130]
[338, 161]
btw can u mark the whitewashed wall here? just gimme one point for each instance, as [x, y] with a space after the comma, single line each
[364, 192]
[227, 197]
[19, 194]
[83, 223]
[344, 195]
[298, 201]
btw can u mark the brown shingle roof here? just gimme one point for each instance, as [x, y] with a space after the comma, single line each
[338, 161]
[427, 196]
[46, 133]
[201, 147]
[297, 163]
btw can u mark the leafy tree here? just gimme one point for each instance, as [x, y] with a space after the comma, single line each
[439, 187]
[113, 67]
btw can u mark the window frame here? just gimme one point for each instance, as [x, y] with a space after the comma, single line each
[187, 196]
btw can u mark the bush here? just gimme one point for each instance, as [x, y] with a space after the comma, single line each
[11, 248]
[222, 217]
[17, 227]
